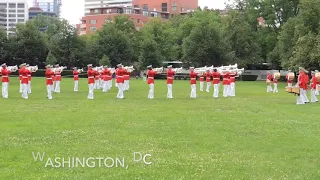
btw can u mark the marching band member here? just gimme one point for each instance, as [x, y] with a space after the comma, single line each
[302, 84]
[126, 77]
[97, 78]
[305, 91]
[289, 82]
[20, 78]
[75, 79]
[233, 75]
[226, 83]
[216, 83]
[29, 80]
[193, 82]
[5, 80]
[120, 80]
[313, 87]
[318, 84]
[104, 75]
[201, 82]
[275, 84]
[49, 81]
[208, 80]
[109, 79]
[170, 75]
[24, 81]
[150, 82]
[57, 73]
[269, 80]
[91, 74]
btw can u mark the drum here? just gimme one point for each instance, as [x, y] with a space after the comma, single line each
[276, 76]
[291, 76]
[289, 89]
[296, 90]
[318, 76]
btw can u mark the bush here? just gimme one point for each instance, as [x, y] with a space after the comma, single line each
[249, 77]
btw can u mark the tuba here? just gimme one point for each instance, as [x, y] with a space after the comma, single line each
[12, 68]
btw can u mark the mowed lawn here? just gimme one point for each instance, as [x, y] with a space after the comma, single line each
[255, 135]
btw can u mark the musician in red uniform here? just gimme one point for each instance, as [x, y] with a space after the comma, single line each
[57, 73]
[275, 85]
[120, 80]
[97, 78]
[170, 75]
[226, 83]
[20, 78]
[5, 81]
[289, 82]
[313, 87]
[269, 80]
[208, 80]
[104, 75]
[24, 72]
[216, 83]
[75, 79]
[202, 82]
[29, 80]
[303, 85]
[126, 77]
[151, 74]
[193, 82]
[49, 80]
[233, 75]
[318, 84]
[91, 74]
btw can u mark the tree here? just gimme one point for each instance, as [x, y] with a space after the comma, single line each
[51, 59]
[104, 61]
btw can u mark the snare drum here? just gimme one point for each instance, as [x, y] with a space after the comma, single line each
[296, 90]
[318, 76]
[289, 89]
[276, 76]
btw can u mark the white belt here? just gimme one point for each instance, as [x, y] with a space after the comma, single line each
[193, 78]
[225, 79]
[216, 78]
[120, 76]
[24, 77]
[58, 75]
[76, 76]
[4, 76]
[90, 77]
[29, 75]
[169, 77]
[232, 77]
[151, 77]
[49, 78]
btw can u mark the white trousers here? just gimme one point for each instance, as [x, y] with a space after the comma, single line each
[144, 78]
[5, 87]
[111, 81]
[126, 84]
[216, 90]
[151, 91]
[201, 85]
[24, 91]
[317, 90]
[193, 93]
[53, 85]
[105, 86]
[20, 90]
[109, 84]
[313, 95]
[304, 95]
[275, 88]
[169, 94]
[91, 89]
[120, 91]
[300, 98]
[29, 87]
[49, 92]
[226, 90]
[289, 84]
[101, 83]
[269, 88]
[96, 84]
[76, 86]
[208, 86]
[232, 89]
[57, 89]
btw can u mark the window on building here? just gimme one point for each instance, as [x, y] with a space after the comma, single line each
[20, 20]
[12, 5]
[108, 11]
[12, 20]
[145, 7]
[174, 6]
[93, 28]
[164, 7]
[20, 10]
[96, 11]
[93, 21]
[120, 11]
[20, 15]
[145, 13]
[136, 6]
[128, 11]
[12, 15]
[20, 5]
[138, 21]
[154, 14]
[12, 11]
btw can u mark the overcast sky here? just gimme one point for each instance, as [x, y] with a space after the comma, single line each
[73, 10]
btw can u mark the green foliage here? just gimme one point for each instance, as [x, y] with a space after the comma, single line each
[104, 61]
[51, 60]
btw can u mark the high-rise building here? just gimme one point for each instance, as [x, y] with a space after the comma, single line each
[13, 12]
[91, 4]
[49, 6]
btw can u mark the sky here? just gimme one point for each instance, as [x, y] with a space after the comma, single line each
[73, 10]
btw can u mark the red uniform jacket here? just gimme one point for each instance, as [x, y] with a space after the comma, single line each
[20, 75]
[49, 74]
[226, 79]
[151, 75]
[233, 77]
[314, 82]
[275, 81]
[91, 74]
[216, 78]
[120, 72]
[269, 77]
[75, 75]
[29, 76]
[126, 75]
[5, 75]
[97, 75]
[208, 77]
[303, 83]
[24, 73]
[201, 78]
[193, 77]
[170, 74]
[288, 80]
[58, 75]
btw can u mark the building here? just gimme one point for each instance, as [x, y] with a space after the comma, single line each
[96, 17]
[91, 4]
[46, 7]
[11, 13]
[35, 11]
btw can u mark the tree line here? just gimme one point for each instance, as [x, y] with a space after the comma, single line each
[289, 38]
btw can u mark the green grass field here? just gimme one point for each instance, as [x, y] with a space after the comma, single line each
[255, 135]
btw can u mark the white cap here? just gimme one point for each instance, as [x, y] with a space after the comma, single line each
[119, 65]
[21, 65]
[4, 64]
[150, 66]
[27, 65]
[57, 65]
[48, 66]
[75, 68]
[89, 65]
[316, 71]
[169, 66]
[191, 67]
[105, 66]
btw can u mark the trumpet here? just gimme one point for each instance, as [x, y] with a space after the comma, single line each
[59, 69]
[158, 70]
[177, 70]
[12, 68]
[129, 68]
[80, 70]
[33, 68]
